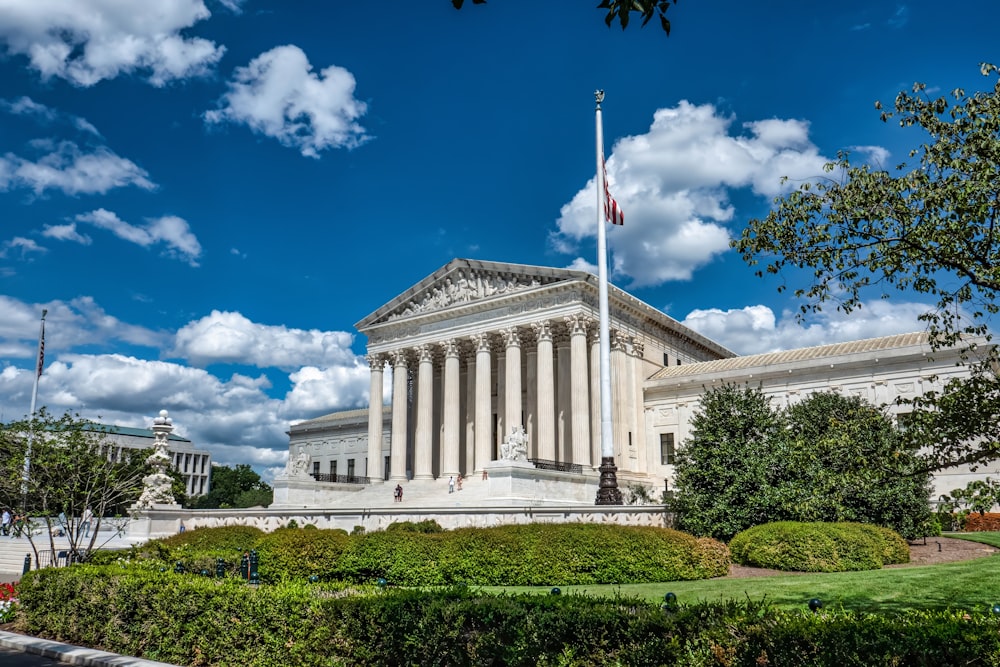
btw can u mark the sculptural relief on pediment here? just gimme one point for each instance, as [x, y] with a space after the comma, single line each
[462, 287]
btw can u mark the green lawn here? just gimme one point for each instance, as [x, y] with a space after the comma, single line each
[990, 538]
[968, 585]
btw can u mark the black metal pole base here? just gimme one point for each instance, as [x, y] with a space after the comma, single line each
[607, 491]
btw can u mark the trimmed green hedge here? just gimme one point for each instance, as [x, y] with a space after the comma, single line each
[418, 555]
[190, 620]
[818, 547]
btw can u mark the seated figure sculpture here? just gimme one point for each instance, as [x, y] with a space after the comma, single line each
[515, 447]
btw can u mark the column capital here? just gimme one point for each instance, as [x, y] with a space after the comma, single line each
[543, 330]
[481, 342]
[376, 362]
[619, 341]
[425, 353]
[577, 324]
[638, 348]
[511, 337]
[450, 348]
[399, 359]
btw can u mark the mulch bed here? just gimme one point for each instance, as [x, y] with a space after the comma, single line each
[935, 550]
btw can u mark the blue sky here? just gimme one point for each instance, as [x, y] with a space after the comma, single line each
[206, 195]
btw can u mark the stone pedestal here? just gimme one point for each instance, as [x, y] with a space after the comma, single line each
[521, 481]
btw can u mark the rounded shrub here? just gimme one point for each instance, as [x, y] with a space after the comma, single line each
[289, 553]
[818, 547]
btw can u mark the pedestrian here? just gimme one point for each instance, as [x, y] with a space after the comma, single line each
[459, 481]
[486, 475]
[5, 522]
[398, 493]
[451, 484]
[88, 516]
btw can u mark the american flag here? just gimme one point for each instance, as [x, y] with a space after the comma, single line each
[612, 212]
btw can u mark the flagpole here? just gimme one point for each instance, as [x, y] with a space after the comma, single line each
[34, 397]
[607, 491]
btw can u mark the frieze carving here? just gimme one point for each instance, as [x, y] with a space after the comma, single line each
[465, 288]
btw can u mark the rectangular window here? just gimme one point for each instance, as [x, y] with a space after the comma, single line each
[668, 455]
[333, 468]
[350, 467]
[666, 359]
[678, 362]
[315, 468]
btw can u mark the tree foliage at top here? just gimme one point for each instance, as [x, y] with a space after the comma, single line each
[622, 10]
[930, 227]
[235, 488]
[72, 467]
[828, 458]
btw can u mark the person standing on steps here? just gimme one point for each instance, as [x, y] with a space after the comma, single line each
[451, 484]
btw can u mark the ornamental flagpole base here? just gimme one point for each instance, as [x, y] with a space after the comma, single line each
[607, 491]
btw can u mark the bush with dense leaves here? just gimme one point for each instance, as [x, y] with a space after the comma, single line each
[531, 555]
[191, 620]
[818, 547]
[828, 458]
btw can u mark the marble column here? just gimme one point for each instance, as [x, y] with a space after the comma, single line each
[546, 414]
[423, 441]
[531, 399]
[484, 402]
[638, 407]
[452, 397]
[595, 396]
[469, 460]
[376, 362]
[619, 411]
[564, 390]
[512, 385]
[400, 407]
[579, 397]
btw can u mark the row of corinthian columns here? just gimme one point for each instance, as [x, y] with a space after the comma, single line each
[574, 380]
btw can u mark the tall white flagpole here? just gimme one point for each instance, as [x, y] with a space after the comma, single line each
[40, 360]
[607, 491]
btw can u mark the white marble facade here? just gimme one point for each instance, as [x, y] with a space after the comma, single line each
[480, 348]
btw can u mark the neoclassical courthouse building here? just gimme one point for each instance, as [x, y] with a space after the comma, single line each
[480, 349]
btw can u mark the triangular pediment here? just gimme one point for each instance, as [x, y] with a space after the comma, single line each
[463, 282]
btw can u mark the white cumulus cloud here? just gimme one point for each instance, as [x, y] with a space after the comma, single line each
[72, 170]
[227, 337]
[756, 329]
[278, 95]
[673, 184]
[87, 41]
[171, 231]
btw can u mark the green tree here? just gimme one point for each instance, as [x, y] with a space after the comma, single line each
[931, 227]
[235, 487]
[846, 461]
[72, 467]
[724, 479]
[622, 10]
[828, 458]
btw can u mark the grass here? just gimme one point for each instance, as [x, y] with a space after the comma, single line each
[967, 585]
[990, 538]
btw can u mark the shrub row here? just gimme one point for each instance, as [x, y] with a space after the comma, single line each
[528, 555]
[976, 522]
[200, 621]
[818, 547]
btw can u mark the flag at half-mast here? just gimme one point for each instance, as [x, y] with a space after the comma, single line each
[612, 211]
[41, 350]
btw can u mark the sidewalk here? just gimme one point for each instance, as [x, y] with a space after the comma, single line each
[63, 653]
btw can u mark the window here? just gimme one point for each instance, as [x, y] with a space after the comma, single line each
[315, 468]
[668, 455]
[333, 468]
[666, 359]
[350, 467]
[903, 420]
[678, 362]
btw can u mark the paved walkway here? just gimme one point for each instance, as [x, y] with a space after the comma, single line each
[23, 651]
